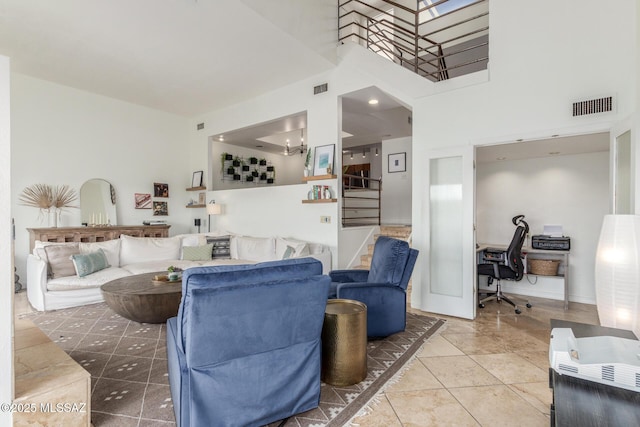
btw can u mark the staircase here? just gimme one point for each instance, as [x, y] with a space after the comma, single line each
[401, 232]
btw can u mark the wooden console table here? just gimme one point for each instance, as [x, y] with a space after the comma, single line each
[94, 234]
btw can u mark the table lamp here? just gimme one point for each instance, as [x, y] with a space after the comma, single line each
[213, 209]
[617, 273]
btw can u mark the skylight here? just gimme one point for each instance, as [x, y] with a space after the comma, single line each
[444, 7]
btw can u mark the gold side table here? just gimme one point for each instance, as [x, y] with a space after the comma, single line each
[344, 342]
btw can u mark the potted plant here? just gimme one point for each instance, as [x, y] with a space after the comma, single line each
[231, 170]
[270, 168]
[253, 160]
[236, 177]
[255, 173]
[227, 156]
[245, 168]
[236, 161]
[307, 161]
[263, 162]
[249, 178]
[263, 176]
[173, 273]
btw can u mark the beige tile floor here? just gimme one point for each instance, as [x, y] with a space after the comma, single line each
[492, 371]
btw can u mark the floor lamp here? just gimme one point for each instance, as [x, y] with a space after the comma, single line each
[213, 209]
[617, 272]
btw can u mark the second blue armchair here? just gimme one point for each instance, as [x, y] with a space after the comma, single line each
[382, 288]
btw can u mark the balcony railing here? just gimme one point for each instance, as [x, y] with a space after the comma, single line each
[360, 200]
[438, 40]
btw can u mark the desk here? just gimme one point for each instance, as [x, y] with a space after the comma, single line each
[579, 402]
[538, 253]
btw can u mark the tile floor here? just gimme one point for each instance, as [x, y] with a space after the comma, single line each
[492, 371]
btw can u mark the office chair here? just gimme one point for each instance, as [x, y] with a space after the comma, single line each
[505, 265]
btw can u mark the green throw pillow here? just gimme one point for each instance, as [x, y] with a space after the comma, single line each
[89, 263]
[289, 252]
[197, 253]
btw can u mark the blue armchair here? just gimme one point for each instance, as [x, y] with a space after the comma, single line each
[244, 349]
[383, 288]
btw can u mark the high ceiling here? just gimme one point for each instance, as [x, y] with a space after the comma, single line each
[186, 57]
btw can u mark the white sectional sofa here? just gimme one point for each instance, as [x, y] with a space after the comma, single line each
[53, 280]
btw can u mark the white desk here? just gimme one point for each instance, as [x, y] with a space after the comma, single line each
[548, 254]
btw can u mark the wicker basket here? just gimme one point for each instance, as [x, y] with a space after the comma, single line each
[544, 267]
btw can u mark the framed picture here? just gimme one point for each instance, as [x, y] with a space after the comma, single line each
[160, 209]
[160, 190]
[397, 162]
[202, 198]
[196, 181]
[142, 200]
[323, 159]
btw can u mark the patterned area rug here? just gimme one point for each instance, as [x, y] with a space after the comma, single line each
[128, 366]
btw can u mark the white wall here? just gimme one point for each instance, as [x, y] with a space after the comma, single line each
[66, 136]
[396, 186]
[6, 269]
[571, 190]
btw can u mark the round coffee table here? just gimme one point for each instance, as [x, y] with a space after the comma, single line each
[137, 298]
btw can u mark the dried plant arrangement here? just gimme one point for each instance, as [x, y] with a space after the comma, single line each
[44, 196]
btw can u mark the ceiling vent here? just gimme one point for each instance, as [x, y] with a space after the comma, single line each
[320, 88]
[593, 106]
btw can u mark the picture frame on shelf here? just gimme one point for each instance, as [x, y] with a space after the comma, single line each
[160, 190]
[202, 198]
[196, 180]
[323, 159]
[397, 162]
[142, 200]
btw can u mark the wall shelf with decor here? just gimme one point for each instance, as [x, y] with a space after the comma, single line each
[196, 206]
[318, 177]
[320, 201]
[196, 188]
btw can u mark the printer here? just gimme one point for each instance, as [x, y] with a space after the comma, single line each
[554, 243]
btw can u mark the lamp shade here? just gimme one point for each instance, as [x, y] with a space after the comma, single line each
[617, 272]
[214, 209]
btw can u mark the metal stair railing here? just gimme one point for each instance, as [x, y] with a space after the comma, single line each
[361, 200]
[437, 46]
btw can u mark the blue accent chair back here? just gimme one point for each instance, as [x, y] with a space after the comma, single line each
[245, 349]
[382, 288]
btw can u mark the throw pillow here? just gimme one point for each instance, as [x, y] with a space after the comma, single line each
[197, 253]
[89, 263]
[300, 248]
[59, 259]
[111, 249]
[289, 252]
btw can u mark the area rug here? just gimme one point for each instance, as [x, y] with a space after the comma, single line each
[128, 366]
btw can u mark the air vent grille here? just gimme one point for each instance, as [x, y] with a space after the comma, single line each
[320, 88]
[593, 106]
[568, 368]
[608, 372]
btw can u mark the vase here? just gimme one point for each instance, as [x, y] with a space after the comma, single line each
[52, 217]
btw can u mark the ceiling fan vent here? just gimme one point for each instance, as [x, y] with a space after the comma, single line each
[593, 106]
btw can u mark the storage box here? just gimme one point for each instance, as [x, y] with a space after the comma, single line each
[544, 267]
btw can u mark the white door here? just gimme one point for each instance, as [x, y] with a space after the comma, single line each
[622, 169]
[448, 284]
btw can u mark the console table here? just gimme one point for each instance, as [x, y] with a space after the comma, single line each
[94, 234]
[579, 402]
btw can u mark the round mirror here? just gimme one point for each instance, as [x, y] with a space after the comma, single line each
[98, 203]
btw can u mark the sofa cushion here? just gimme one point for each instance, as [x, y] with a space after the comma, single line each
[291, 248]
[91, 262]
[59, 259]
[197, 253]
[253, 248]
[111, 249]
[142, 249]
[159, 266]
[94, 280]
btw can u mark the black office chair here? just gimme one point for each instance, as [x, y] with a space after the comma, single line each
[507, 265]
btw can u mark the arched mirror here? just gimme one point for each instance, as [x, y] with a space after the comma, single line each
[98, 203]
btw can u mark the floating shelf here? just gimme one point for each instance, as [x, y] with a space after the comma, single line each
[320, 201]
[196, 206]
[196, 188]
[318, 177]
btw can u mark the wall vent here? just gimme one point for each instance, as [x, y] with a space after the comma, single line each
[320, 88]
[593, 106]
[200, 126]
[608, 372]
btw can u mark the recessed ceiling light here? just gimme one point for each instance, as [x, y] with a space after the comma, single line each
[373, 101]
[554, 153]
[555, 136]
[519, 140]
[259, 146]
